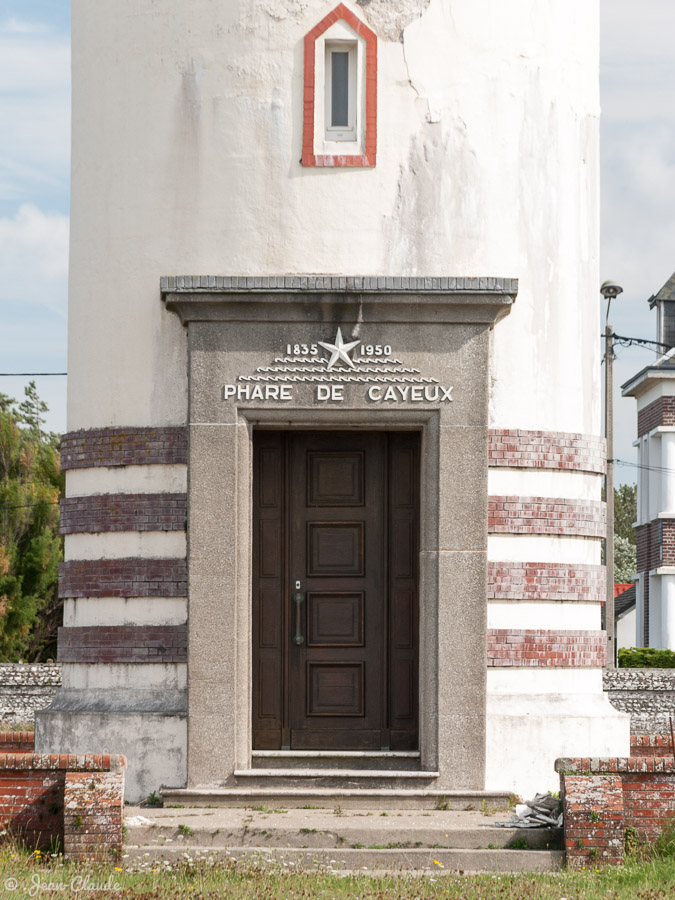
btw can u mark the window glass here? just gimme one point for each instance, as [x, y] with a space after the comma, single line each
[339, 89]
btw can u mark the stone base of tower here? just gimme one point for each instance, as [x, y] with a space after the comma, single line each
[154, 743]
[535, 716]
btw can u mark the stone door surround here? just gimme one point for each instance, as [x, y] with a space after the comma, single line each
[239, 331]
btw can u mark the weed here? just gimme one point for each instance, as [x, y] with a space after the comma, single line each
[152, 799]
[338, 810]
[594, 816]
[308, 831]
[176, 806]
[518, 843]
[78, 821]
[185, 831]
[442, 803]
[593, 853]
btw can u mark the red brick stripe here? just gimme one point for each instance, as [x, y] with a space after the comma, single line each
[659, 745]
[526, 648]
[369, 158]
[123, 512]
[546, 515]
[123, 578]
[546, 450]
[124, 447]
[91, 762]
[123, 644]
[660, 412]
[545, 581]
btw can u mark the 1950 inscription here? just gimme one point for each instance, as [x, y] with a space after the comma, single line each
[372, 367]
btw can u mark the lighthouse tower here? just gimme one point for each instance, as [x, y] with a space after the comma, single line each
[333, 456]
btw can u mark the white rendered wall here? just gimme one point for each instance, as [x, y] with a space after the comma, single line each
[186, 143]
[626, 630]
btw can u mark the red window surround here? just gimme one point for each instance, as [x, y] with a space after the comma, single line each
[369, 158]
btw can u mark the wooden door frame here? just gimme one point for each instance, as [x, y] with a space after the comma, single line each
[427, 423]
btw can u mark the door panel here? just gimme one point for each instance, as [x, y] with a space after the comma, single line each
[338, 513]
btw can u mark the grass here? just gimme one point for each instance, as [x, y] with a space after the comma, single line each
[204, 878]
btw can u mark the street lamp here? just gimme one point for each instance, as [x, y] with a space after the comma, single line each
[609, 290]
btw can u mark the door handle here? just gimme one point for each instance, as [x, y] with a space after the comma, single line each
[298, 599]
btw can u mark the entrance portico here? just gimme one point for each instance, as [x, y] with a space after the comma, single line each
[339, 367]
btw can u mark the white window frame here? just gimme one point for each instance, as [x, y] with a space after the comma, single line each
[350, 131]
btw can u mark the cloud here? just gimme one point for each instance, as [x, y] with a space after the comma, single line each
[34, 260]
[12, 25]
[35, 115]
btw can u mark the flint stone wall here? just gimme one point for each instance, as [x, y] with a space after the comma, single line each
[25, 688]
[647, 694]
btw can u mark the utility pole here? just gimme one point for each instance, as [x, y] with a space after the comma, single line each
[609, 290]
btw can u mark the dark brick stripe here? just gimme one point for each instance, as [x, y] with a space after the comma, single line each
[123, 578]
[655, 544]
[660, 412]
[546, 515]
[514, 448]
[123, 512]
[545, 581]
[123, 644]
[123, 447]
[537, 647]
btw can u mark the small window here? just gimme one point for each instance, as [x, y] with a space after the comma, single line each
[341, 91]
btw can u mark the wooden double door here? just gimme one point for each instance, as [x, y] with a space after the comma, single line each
[335, 590]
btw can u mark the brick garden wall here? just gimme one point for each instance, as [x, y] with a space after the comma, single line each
[604, 797]
[76, 802]
[17, 742]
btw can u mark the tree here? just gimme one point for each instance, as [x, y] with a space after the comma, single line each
[625, 549]
[625, 560]
[31, 548]
[625, 511]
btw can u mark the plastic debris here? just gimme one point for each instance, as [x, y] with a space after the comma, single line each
[544, 811]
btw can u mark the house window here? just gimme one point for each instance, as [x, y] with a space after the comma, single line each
[341, 84]
[340, 92]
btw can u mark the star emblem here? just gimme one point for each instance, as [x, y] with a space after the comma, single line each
[339, 350]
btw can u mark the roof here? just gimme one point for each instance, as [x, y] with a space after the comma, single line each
[667, 292]
[623, 603]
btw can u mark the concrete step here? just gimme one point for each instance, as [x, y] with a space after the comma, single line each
[352, 840]
[342, 797]
[336, 759]
[337, 779]
[419, 861]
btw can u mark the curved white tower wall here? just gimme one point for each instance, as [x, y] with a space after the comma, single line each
[476, 132]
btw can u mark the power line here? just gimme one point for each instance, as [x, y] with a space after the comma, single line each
[28, 374]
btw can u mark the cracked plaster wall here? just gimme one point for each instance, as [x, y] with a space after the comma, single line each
[187, 122]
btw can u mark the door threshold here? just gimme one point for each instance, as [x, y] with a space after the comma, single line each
[336, 754]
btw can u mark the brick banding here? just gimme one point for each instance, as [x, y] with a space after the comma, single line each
[515, 448]
[123, 512]
[546, 515]
[537, 647]
[123, 644]
[545, 581]
[123, 578]
[124, 447]
[660, 412]
[369, 157]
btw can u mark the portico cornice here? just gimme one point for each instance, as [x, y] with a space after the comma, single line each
[309, 298]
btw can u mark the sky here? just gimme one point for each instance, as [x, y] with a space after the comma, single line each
[637, 188]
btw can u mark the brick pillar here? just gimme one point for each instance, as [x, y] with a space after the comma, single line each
[92, 815]
[594, 823]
